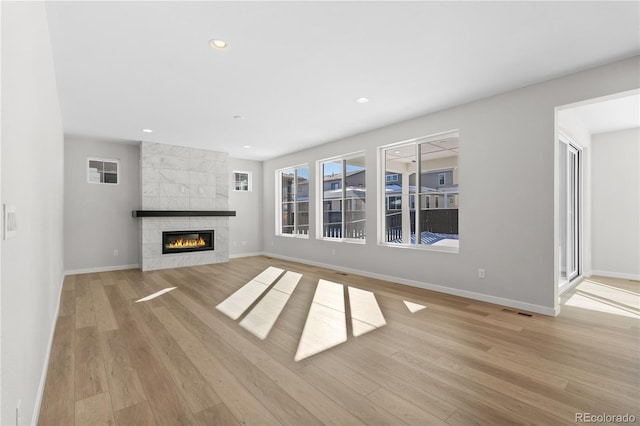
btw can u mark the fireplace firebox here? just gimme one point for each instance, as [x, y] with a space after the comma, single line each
[187, 241]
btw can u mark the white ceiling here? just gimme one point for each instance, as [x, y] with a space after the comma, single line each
[293, 70]
[430, 150]
[610, 115]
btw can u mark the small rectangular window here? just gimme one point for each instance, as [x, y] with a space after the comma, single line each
[241, 181]
[442, 180]
[102, 170]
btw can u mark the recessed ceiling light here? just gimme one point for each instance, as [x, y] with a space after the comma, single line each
[147, 130]
[247, 147]
[238, 117]
[396, 152]
[362, 100]
[218, 44]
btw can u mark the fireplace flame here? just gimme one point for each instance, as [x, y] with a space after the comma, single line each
[185, 243]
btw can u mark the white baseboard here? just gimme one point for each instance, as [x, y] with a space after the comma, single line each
[101, 269]
[610, 274]
[45, 367]
[433, 287]
[239, 255]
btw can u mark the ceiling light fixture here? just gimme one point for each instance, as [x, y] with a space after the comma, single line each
[362, 100]
[238, 117]
[147, 130]
[218, 44]
[247, 147]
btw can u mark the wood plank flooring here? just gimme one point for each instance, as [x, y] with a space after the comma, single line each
[177, 360]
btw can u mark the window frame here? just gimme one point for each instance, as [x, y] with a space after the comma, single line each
[344, 200]
[103, 160]
[279, 203]
[249, 181]
[383, 197]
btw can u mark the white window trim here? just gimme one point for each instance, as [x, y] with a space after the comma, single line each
[382, 196]
[278, 198]
[250, 181]
[320, 193]
[110, 160]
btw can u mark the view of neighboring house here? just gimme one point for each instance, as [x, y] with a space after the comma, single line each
[344, 201]
[295, 201]
[438, 206]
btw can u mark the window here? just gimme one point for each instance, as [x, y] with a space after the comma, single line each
[102, 170]
[241, 181]
[421, 202]
[394, 202]
[343, 198]
[292, 201]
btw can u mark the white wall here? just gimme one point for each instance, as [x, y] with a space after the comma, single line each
[508, 195]
[245, 230]
[32, 180]
[97, 218]
[616, 203]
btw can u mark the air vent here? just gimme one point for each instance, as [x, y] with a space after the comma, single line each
[524, 314]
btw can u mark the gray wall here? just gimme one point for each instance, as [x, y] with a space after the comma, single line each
[245, 230]
[506, 140]
[615, 203]
[97, 217]
[32, 180]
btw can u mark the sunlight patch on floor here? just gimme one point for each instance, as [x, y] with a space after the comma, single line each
[235, 305]
[261, 319]
[326, 325]
[366, 315]
[156, 294]
[604, 298]
[413, 307]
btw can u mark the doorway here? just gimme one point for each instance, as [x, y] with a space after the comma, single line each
[570, 210]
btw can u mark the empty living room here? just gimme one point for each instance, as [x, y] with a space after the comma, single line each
[319, 212]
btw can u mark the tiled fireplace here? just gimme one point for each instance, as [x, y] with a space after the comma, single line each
[186, 179]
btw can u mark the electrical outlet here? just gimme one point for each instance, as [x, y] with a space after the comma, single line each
[10, 223]
[481, 273]
[116, 253]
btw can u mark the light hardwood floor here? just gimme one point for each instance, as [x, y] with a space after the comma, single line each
[177, 360]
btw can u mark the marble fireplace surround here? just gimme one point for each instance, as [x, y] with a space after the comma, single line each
[180, 178]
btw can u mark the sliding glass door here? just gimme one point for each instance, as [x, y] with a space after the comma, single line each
[570, 158]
